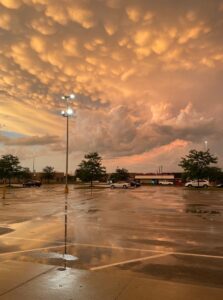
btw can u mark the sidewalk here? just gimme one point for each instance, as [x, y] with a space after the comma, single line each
[29, 281]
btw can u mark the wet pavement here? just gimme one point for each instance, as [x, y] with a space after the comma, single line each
[165, 234]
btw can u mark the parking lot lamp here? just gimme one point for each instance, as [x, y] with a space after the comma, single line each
[68, 112]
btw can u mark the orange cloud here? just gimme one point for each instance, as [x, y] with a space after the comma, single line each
[147, 74]
[148, 158]
[11, 4]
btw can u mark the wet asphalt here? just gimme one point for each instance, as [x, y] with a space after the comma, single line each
[165, 233]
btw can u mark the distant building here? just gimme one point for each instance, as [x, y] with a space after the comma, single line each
[58, 177]
[154, 178]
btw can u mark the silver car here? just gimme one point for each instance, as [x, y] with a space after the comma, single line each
[196, 183]
[123, 185]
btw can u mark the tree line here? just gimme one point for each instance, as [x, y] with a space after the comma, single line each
[90, 169]
[196, 165]
[10, 168]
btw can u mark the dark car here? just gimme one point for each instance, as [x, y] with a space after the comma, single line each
[135, 183]
[31, 183]
[220, 185]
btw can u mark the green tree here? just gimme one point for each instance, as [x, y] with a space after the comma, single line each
[25, 173]
[9, 167]
[48, 173]
[120, 174]
[214, 174]
[91, 168]
[196, 164]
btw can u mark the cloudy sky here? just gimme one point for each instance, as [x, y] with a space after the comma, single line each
[148, 79]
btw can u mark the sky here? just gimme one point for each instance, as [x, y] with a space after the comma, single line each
[147, 76]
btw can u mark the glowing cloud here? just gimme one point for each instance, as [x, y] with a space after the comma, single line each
[148, 75]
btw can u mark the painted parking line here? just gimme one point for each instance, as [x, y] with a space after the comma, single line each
[116, 247]
[88, 245]
[182, 230]
[198, 255]
[129, 261]
[148, 250]
[31, 240]
[61, 244]
[31, 250]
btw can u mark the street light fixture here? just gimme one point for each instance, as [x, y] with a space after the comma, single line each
[68, 112]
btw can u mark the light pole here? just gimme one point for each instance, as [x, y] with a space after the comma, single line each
[206, 145]
[68, 112]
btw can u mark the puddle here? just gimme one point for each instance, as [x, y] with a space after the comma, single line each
[198, 205]
[185, 269]
[197, 210]
[56, 255]
[153, 242]
[76, 257]
[201, 209]
[93, 210]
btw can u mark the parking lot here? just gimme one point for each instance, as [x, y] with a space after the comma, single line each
[166, 234]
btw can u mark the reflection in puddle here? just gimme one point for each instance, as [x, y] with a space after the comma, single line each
[66, 257]
[93, 210]
[201, 209]
[55, 255]
[78, 257]
[143, 219]
[74, 256]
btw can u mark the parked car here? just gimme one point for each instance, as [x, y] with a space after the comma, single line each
[31, 183]
[124, 185]
[196, 183]
[135, 183]
[220, 185]
[165, 182]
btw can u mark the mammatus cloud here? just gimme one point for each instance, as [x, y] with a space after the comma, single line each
[147, 74]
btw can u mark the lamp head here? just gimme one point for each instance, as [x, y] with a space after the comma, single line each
[69, 111]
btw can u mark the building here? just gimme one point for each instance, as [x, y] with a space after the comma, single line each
[156, 178]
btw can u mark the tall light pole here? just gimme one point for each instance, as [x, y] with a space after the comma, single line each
[68, 112]
[206, 145]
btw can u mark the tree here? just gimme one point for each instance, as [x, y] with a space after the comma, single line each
[196, 164]
[48, 173]
[120, 175]
[214, 174]
[25, 173]
[9, 167]
[91, 168]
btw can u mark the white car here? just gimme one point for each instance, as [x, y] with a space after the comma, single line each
[165, 182]
[123, 185]
[195, 183]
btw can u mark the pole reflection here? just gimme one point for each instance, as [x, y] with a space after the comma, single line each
[65, 231]
[66, 256]
[64, 267]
